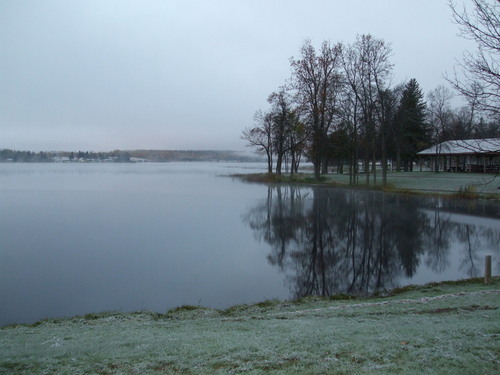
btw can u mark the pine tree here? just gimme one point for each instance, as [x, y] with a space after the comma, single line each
[411, 131]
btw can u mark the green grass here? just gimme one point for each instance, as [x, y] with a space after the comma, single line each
[440, 328]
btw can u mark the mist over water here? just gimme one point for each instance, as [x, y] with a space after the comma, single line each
[86, 238]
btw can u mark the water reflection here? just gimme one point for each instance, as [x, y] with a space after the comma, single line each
[330, 241]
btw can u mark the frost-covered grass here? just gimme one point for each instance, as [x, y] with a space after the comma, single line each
[466, 185]
[435, 329]
[442, 182]
[445, 182]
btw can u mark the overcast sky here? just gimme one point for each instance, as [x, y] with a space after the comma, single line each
[180, 74]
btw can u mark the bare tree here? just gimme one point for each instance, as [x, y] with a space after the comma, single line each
[367, 71]
[316, 79]
[261, 137]
[296, 141]
[282, 124]
[439, 115]
[480, 79]
[278, 132]
[350, 110]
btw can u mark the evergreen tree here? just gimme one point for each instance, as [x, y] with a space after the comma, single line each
[411, 134]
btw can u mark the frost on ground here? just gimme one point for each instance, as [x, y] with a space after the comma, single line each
[444, 182]
[435, 329]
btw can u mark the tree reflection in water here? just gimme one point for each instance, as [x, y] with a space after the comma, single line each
[330, 241]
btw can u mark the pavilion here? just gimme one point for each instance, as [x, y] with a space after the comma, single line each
[470, 155]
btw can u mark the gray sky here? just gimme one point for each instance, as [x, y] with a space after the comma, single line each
[180, 74]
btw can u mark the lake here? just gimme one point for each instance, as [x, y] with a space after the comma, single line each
[82, 238]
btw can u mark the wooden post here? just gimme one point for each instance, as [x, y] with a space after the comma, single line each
[487, 269]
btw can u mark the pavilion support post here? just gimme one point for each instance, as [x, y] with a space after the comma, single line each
[487, 269]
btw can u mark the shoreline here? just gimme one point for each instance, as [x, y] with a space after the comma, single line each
[451, 185]
[194, 310]
[440, 328]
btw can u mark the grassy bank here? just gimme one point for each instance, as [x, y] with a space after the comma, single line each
[447, 328]
[464, 185]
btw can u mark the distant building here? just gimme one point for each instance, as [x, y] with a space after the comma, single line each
[469, 155]
[61, 159]
[138, 160]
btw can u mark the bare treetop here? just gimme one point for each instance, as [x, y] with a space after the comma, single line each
[480, 80]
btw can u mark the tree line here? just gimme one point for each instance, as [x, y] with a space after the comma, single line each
[339, 108]
[7, 155]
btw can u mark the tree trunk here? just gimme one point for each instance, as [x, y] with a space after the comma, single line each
[317, 171]
[324, 166]
[384, 159]
[367, 169]
[279, 162]
[374, 169]
[374, 158]
[269, 163]
[398, 159]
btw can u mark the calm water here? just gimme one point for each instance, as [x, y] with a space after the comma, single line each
[80, 238]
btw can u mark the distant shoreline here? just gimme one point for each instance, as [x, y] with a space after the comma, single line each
[15, 156]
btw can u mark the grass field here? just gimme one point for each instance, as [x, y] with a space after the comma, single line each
[447, 328]
[440, 182]
[467, 185]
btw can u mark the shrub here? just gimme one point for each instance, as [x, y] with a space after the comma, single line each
[467, 192]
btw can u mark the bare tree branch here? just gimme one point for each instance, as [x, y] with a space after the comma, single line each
[479, 80]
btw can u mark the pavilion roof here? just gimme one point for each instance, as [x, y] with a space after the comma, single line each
[464, 147]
